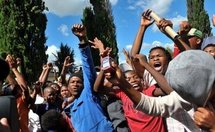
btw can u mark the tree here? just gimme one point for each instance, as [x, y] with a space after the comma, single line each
[198, 17]
[22, 33]
[100, 23]
[65, 51]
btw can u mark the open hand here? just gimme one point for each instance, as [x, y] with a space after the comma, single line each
[97, 44]
[67, 62]
[146, 19]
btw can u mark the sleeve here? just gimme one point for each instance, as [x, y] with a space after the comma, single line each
[89, 73]
[162, 106]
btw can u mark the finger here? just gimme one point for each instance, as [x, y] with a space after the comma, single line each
[94, 47]
[91, 41]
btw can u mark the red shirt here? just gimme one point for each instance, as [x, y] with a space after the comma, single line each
[176, 51]
[137, 120]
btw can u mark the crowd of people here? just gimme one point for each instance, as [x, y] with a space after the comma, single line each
[161, 93]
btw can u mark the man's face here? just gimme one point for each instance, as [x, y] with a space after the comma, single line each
[158, 60]
[194, 42]
[134, 80]
[210, 50]
[75, 85]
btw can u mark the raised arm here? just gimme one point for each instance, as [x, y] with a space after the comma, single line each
[13, 66]
[144, 24]
[89, 72]
[46, 69]
[67, 63]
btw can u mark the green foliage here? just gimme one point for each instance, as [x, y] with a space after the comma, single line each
[65, 51]
[198, 17]
[22, 33]
[99, 23]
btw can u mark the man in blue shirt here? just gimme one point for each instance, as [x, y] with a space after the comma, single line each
[86, 112]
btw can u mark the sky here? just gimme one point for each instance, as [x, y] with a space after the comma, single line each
[63, 14]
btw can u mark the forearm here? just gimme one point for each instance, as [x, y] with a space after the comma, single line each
[99, 81]
[20, 79]
[89, 72]
[45, 76]
[63, 74]
[138, 41]
[41, 75]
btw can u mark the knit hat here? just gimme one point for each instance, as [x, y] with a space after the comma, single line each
[208, 41]
[192, 74]
[195, 32]
[78, 74]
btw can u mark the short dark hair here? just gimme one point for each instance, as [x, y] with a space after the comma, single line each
[4, 69]
[51, 121]
[168, 55]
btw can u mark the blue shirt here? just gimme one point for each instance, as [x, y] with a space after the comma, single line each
[86, 112]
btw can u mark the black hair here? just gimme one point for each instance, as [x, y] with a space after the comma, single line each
[168, 55]
[78, 74]
[4, 69]
[51, 121]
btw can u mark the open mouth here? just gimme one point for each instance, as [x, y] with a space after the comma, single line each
[135, 86]
[157, 66]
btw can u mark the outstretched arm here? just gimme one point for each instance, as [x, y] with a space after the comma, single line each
[89, 72]
[67, 63]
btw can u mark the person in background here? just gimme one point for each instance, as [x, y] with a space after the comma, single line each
[137, 120]
[208, 45]
[189, 84]
[159, 57]
[112, 105]
[86, 112]
[19, 89]
[52, 120]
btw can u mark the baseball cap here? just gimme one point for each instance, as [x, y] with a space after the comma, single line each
[195, 32]
[192, 74]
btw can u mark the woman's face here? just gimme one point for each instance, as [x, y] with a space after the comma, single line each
[64, 92]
